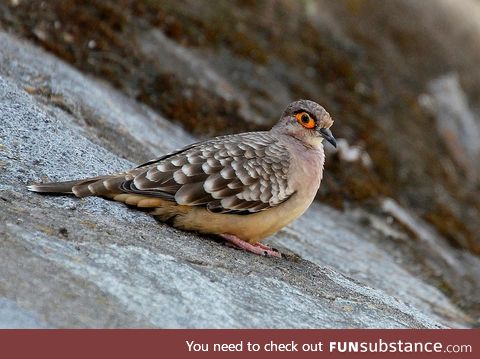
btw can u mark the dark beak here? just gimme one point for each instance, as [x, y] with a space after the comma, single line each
[327, 134]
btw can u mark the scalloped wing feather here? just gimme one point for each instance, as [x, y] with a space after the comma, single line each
[243, 174]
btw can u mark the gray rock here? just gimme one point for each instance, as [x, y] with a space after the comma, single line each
[13, 316]
[456, 122]
[66, 262]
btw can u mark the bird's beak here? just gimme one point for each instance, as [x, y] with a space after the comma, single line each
[328, 135]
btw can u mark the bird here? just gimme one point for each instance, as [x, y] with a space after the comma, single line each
[242, 187]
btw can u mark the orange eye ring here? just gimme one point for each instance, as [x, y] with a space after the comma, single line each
[305, 120]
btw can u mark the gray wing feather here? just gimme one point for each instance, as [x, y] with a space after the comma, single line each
[243, 173]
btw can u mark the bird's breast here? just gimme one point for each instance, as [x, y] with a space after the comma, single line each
[306, 172]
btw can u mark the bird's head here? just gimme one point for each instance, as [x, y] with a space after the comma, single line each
[308, 122]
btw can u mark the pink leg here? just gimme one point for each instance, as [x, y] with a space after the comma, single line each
[263, 246]
[256, 248]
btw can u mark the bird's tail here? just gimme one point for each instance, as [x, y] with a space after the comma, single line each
[95, 186]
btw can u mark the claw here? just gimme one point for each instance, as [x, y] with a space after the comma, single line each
[256, 248]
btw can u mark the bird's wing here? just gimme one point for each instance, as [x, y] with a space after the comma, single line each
[242, 174]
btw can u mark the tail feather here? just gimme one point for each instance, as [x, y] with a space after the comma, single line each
[101, 187]
[110, 186]
[80, 188]
[54, 187]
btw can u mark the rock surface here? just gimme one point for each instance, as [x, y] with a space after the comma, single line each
[66, 262]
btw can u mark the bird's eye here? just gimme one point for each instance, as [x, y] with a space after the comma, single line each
[305, 120]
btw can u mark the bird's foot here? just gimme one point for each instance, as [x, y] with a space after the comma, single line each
[256, 248]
